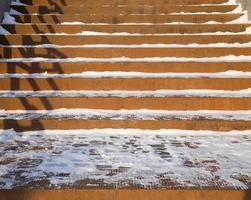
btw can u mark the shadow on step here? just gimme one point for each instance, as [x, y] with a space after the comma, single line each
[14, 124]
[29, 68]
[54, 9]
[50, 2]
[248, 193]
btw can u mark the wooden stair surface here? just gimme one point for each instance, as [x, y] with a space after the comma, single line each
[132, 9]
[137, 69]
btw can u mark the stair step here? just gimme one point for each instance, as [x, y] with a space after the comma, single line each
[120, 2]
[154, 67]
[101, 18]
[44, 152]
[129, 9]
[132, 28]
[37, 84]
[213, 125]
[124, 194]
[170, 103]
[117, 52]
[119, 39]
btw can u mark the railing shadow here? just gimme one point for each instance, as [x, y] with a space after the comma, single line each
[32, 67]
[53, 9]
[50, 2]
[247, 195]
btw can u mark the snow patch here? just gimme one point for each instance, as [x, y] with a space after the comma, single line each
[3, 32]
[14, 12]
[17, 3]
[8, 19]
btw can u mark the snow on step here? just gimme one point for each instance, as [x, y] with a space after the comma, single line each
[111, 74]
[124, 94]
[140, 114]
[122, 158]
[230, 58]
[192, 45]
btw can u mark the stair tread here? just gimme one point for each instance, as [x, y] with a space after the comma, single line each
[124, 84]
[129, 28]
[19, 39]
[118, 52]
[130, 103]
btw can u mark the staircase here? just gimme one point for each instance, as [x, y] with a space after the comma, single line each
[119, 65]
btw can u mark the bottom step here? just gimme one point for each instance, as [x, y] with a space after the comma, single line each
[125, 159]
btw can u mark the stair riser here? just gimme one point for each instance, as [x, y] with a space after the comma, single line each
[123, 84]
[95, 39]
[120, 52]
[143, 29]
[214, 125]
[172, 103]
[120, 2]
[57, 19]
[123, 194]
[130, 9]
[62, 67]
